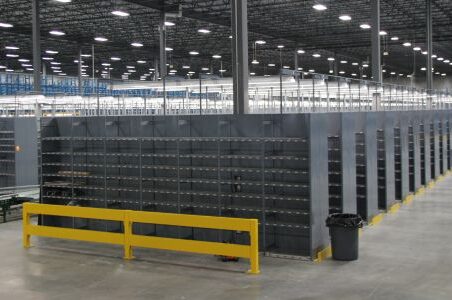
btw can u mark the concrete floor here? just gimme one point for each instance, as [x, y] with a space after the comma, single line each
[407, 256]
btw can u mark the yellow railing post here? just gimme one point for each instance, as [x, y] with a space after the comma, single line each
[128, 252]
[254, 245]
[25, 224]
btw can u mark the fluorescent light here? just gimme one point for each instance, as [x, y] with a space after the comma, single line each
[343, 61]
[185, 67]
[425, 52]
[106, 64]
[353, 74]
[141, 61]
[331, 58]
[51, 52]
[216, 56]
[57, 32]
[394, 38]
[271, 65]
[222, 71]
[365, 26]
[193, 52]
[120, 13]
[252, 73]
[300, 51]
[135, 44]
[260, 42]
[364, 76]
[423, 69]
[407, 44]
[345, 18]
[316, 55]
[100, 39]
[365, 65]
[440, 58]
[444, 74]
[319, 7]
[11, 48]
[29, 69]
[168, 23]
[23, 60]
[63, 1]
[2, 67]
[85, 55]
[191, 72]
[417, 48]
[355, 64]
[114, 58]
[55, 63]
[204, 31]
[12, 55]
[27, 65]
[280, 46]
[9, 70]
[168, 49]
[311, 70]
[341, 72]
[255, 62]
[205, 69]
[434, 56]
[447, 61]
[6, 25]
[130, 67]
[383, 32]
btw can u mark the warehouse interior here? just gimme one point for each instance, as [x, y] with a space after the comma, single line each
[198, 149]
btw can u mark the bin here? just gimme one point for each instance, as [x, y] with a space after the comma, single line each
[344, 233]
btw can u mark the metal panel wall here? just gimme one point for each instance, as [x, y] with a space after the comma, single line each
[348, 162]
[26, 140]
[435, 144]
[416, 176]
[427, 117]
[404, 155]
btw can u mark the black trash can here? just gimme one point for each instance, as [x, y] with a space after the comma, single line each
[344, 232]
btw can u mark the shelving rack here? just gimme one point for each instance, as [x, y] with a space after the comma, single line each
[7, 154]
[342, 162]
[269, 167]
[443, 142]
[422, 148]
[366, 165]
[18, 152]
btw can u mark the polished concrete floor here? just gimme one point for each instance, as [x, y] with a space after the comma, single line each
[407, 256]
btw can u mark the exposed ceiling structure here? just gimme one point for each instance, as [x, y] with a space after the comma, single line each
[293, 24]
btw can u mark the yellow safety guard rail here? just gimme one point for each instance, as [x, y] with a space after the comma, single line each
[130, 240]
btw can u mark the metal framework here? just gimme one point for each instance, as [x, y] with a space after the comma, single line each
[291, 23]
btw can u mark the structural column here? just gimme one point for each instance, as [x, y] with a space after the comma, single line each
[376, 46]
[429, 45]
[240, 55]
[36, 37]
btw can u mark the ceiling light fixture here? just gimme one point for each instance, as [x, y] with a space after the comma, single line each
[136, 44]
[12, 55]
[407, 44]
[168, 23]
[417, 48]
[168, 49]
[100, 39]
[345, 18]
[11, 48]
[120, 13]
[51, 52]
[316, 55]
[6, 25]
[301, 51]
[260, 42]
[57, 32]
[204, 31]
[331, 58]
[319, 7]
[193, 52]
[216, 56]
[383, 33]
[280, 46]
[365, 26]
[141, 61]
[394, 38]
[114, 58]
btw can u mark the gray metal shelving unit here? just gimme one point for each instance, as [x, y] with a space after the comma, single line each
[18, 152]
[269, 167]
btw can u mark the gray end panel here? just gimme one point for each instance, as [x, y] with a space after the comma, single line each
[26, 135]
[318, 153]
[416, 152]
[404, 158]
[371, 165]
[348, 161]
[426, 133]
[435, 121]
[444, 141]
[389, 158]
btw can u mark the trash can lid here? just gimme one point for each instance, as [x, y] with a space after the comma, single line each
[344, 220]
